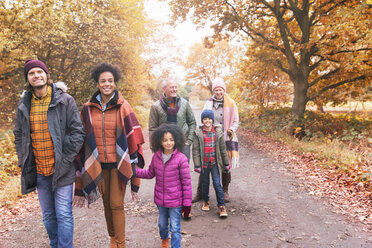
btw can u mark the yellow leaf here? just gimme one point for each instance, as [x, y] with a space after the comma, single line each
[297, 130]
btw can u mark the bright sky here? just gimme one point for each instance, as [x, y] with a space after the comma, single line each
[185, 33]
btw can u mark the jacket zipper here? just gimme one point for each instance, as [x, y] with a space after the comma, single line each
[164, 184]
[103, 135]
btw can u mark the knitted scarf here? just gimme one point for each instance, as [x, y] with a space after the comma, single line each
[129, 140]
[171, 112]
[230, 121]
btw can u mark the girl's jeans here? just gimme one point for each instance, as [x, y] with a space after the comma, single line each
[174, 215]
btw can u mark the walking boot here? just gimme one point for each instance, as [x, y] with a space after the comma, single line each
[121, 245]
[205, 206]
[226, 179]
[113, 243]
[223, 212]
[226, 195]
[165, 243]
[198, 196]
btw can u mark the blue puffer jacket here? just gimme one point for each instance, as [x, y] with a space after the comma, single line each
[67, 134]
[173, 180]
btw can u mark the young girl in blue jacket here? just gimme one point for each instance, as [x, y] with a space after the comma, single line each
[173, 192]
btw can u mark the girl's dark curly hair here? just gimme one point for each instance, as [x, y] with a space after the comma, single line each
[105, 67]
[158, 134]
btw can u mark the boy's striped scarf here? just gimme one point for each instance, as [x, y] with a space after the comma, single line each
[230, 116]
[129, 140]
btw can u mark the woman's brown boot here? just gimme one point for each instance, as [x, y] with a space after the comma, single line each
[226, 179]
[113, 243]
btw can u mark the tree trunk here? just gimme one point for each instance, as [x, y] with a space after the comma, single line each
[261, 101]
[320, 108]
[300, 99]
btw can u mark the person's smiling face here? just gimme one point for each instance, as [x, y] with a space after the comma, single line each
[106, 84]
[207, 122]
[168, 143]
[37, 77]
[219, 93]
[170, 89]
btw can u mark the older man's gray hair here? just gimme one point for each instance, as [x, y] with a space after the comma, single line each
[168, 80]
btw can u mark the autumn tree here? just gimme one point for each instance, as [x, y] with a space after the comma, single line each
[261, 83]
[321, 45]
[162, 56]
[71, 37]
[209, 60]
[199, 92]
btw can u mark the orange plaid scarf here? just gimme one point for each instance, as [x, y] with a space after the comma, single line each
[42, 144]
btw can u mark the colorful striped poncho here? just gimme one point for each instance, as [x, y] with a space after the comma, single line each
[129, 140]
[230, 121]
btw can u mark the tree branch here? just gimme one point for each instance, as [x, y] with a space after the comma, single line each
[251, 31]
[325, 76]
[332, 86]
[287, 47]
[319, 9]
[316, 64]
[350, 51]
[281, 67]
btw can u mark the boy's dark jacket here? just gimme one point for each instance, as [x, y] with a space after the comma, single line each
[198, 148]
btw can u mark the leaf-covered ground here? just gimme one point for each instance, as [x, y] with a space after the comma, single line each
[342, 192]
[279, 199]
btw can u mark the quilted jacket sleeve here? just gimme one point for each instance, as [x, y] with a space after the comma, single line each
[185, 182]
[146, 173]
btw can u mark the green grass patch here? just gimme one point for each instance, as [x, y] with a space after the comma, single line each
[330, 153]
[10, 183]
[11, 192]
[341, 142]
[8, 157]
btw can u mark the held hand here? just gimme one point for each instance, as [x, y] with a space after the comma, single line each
[197, 169]
[230, 133]
[227, 168]
[186, 212]
[78, 182]
[135, 196]
[78, 201]
[133, 169]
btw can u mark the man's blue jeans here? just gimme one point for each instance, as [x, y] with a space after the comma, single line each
[56, 207]
[216, 184]
[174, 215]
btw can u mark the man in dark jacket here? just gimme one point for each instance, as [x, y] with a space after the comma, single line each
[48, 134]
[171, 108]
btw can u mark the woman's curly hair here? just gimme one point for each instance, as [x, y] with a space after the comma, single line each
[157, 137]
[105, 67]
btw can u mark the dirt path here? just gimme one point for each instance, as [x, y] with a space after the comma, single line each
[269, 208]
